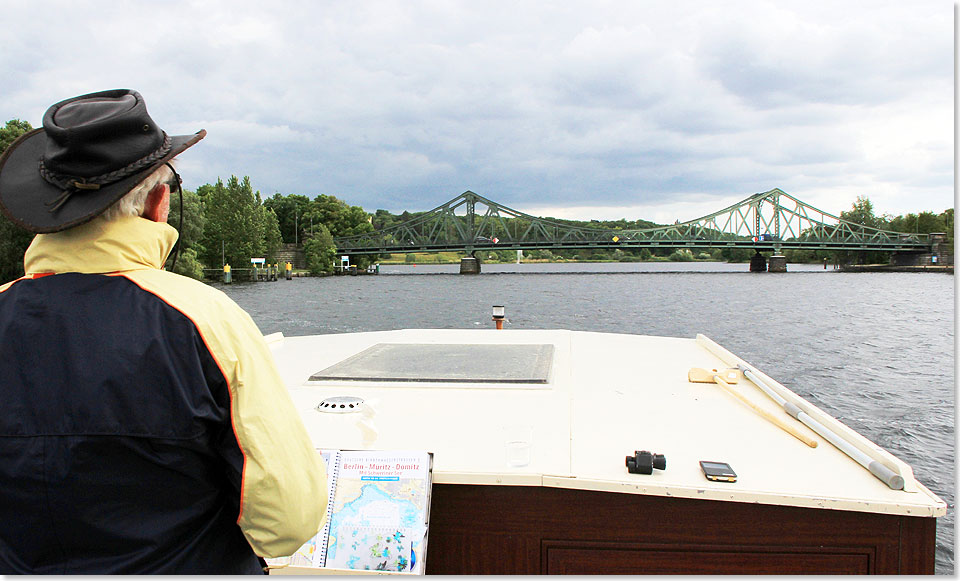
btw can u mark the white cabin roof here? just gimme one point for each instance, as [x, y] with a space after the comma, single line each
[605, 396]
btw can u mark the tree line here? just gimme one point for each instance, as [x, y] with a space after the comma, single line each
[224, 223]
[862, 212]
[230, 223]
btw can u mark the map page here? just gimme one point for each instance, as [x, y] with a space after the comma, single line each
[380, 511]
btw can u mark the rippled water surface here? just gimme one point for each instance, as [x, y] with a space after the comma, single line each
[876, 350]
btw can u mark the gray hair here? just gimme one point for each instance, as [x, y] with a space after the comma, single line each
[134, 201]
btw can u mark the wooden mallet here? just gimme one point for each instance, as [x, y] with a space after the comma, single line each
[728, 376]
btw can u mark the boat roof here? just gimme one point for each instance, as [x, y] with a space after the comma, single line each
[563, 408]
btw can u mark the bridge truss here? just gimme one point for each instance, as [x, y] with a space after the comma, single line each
[772, 220]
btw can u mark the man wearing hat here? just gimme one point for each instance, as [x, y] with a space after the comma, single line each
[143, 425]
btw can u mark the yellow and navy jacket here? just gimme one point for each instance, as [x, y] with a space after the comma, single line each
[143, 424]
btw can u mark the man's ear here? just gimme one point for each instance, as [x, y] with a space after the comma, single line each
[157, 206]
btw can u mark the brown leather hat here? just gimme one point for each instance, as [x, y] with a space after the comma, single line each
[91, 151]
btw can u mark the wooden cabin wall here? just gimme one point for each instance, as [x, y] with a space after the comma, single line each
[531, 530]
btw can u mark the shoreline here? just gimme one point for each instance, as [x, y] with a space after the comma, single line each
[299, 273]
[943, 269]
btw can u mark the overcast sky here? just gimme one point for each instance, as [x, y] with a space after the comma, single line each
[660, 110]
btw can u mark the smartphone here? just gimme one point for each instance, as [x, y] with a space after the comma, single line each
[718, 471]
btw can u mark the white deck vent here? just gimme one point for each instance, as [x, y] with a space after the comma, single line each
[340, 404]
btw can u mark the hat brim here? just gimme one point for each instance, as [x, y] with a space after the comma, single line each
[25, 197]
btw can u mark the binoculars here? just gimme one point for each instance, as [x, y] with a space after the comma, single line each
[643, 462]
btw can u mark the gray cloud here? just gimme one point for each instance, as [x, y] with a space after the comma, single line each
[403, 105]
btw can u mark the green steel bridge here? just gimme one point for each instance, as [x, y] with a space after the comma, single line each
[769, 221]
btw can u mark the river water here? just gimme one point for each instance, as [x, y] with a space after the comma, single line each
[875, 350]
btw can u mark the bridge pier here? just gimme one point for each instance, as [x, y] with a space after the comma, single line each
[777, 263]
[469, 265]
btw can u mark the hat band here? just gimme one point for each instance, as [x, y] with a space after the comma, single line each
[73, 184]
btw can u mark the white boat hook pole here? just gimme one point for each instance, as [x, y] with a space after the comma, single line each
[889, 477]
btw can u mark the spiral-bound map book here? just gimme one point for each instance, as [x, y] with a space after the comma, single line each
[377, 515]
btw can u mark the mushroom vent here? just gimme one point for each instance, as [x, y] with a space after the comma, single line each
[341, 404]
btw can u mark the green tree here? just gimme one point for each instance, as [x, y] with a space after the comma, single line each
[290, 211]
[947, 216]
[341, 219]
[505, 255]
[922, 223]
[12, 131]
[237, 227]
[808, 256]
[541, 254]
[382, 219]
[191, 234]
[14, 240]
[925, 223]
[188, 264]
[736, 254]
[269, 232]
[321, 254]
[862, 213]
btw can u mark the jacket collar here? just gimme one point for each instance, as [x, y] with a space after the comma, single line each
[100, 246]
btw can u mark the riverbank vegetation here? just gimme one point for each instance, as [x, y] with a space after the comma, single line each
[230, 223]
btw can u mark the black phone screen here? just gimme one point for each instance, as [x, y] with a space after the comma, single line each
[718, 471]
